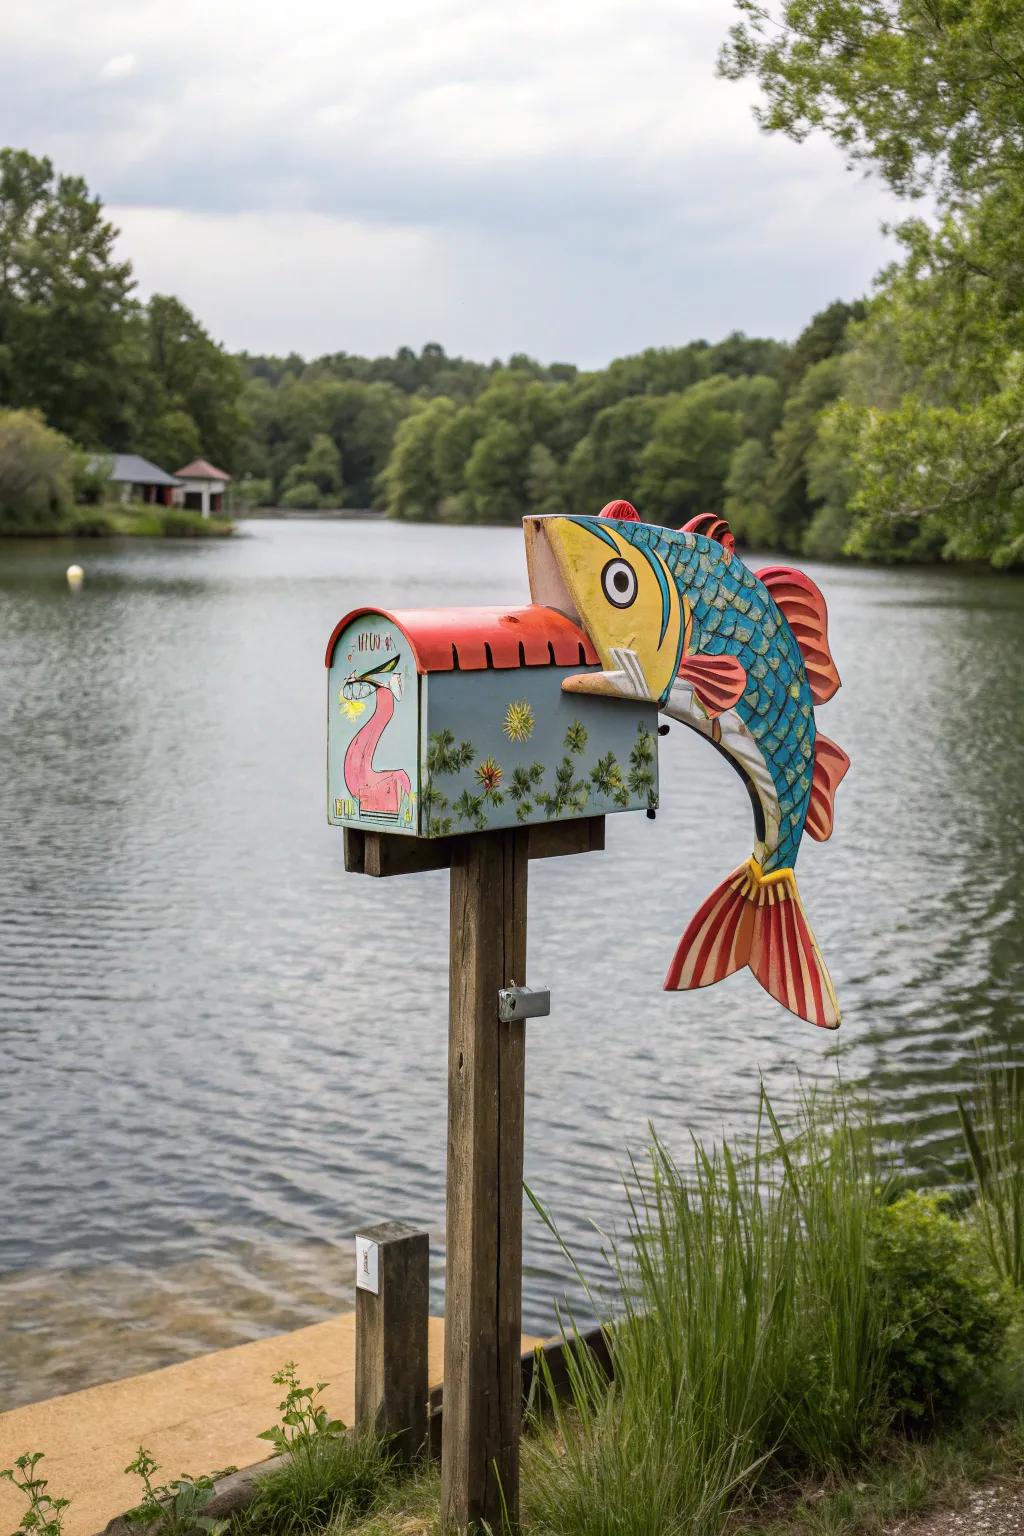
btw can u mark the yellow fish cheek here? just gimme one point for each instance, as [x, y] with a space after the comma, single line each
[619, 599]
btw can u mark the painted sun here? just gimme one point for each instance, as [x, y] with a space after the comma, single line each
[519, 720]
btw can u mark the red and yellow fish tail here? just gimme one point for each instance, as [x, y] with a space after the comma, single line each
[758, 920]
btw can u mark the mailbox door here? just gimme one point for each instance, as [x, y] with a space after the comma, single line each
[373, 717]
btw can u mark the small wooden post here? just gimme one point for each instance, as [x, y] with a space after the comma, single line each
[486, 1096]
[391, 1334]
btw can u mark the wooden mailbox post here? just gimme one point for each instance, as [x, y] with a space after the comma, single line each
[486, 1099]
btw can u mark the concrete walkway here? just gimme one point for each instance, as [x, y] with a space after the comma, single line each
[195, 1417]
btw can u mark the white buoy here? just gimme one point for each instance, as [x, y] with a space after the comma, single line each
[75, 575]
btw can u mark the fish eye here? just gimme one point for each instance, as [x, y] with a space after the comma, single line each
[619, 582]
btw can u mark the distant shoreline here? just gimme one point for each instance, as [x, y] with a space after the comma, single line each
[319, 514]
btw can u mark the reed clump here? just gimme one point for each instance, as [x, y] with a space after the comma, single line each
[756, 1334]
[992, 1122]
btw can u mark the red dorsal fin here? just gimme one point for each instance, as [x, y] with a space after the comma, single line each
[717, 681]
[830, 764]
[807, 616]
[712, 527]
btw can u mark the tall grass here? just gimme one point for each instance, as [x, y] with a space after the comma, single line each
[992, 1121]
[746, 1334]
[324, 1480]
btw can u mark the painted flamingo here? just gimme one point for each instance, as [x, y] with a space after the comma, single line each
[379, 791]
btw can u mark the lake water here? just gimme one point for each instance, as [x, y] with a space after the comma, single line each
[207, 1086]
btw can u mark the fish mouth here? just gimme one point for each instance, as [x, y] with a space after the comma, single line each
[547, 586]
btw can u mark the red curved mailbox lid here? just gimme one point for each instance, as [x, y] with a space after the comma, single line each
[474, 639]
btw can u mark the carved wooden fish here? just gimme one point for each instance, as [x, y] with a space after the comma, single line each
[742, 658]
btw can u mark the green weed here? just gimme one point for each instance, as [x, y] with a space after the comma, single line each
[44, 1515]
[329, 1475]
[174, 1508]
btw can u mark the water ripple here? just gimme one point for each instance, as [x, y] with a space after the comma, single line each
[207, 1085]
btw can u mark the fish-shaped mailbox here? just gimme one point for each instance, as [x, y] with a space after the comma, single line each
[446, 721]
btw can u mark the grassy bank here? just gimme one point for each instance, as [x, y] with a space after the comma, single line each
[801, 1344]
[139, 521]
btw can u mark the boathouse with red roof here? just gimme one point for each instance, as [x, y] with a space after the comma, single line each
[202, 487]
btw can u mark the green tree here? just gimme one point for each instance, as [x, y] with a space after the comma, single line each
[544, 494]
[930, 95]
[194, 378]
[823, 337]
[605, 463]
[453, 445]
[321, 469]
[37, 467]
[171, 439]
[788, 501]
[496, 474]
[746, 496]
[411, 485]
[683, 467]
[65, 302]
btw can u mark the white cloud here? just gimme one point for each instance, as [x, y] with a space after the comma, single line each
[120, 67]
[565, 176]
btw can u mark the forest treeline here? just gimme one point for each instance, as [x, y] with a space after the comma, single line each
[893, 428]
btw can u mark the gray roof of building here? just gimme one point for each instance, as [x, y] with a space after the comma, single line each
[133, 469]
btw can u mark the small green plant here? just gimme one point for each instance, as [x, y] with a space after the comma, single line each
[328, 1474]
[44, 1515]
[946, 1314]
[174, 1508]
[303, 1419]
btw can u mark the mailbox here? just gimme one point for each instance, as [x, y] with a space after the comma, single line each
[443, 721]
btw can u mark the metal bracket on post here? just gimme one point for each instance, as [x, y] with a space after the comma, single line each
[516, 1003]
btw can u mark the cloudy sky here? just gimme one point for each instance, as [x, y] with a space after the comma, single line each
[561, 177]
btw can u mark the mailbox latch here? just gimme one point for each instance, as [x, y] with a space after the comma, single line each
[523, 1003]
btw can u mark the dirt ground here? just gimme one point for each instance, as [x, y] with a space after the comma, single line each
[994, 1511]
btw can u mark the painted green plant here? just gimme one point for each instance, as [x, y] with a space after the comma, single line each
[606, 777]
[576, 737]
[641, 766]
[434, 805]
[445, 756]
[521, 787]
[569, 793]
[471, 808]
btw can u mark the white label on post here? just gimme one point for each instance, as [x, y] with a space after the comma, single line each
[366, 1265]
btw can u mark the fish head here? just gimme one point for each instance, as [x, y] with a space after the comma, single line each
[621, 592]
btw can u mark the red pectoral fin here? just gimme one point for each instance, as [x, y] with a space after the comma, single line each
[717, 681]
[830, 764]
